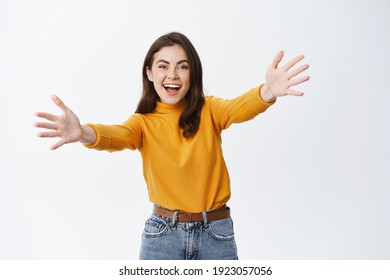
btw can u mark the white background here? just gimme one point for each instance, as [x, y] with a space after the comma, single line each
[310, 177]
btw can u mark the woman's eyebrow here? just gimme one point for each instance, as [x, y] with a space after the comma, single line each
[167, 62]
[183, 61]
[163, 61]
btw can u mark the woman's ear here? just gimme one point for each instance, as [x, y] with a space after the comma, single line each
[149, 74]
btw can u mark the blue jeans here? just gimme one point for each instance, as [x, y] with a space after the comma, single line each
[166, 239]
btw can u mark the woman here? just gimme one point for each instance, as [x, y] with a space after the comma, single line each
[178, 132]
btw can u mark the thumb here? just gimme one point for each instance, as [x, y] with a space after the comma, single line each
[278, 58]
[58, 144]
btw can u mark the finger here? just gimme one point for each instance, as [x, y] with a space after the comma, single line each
[47, 116]
[57, 145]
[50, 134]
[293, 61]
[45, 125]
[278, 58]
[297, 71]
[59, 102]
[294, 92]
[298, 81]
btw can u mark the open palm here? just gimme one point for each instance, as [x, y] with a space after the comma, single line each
[66, 126]
[280, 79]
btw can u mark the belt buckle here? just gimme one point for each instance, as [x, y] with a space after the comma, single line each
[178, 215]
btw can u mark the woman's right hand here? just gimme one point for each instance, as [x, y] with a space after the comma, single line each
[66, 126]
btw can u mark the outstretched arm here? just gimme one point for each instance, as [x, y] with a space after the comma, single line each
[280, 79]
[66, 126]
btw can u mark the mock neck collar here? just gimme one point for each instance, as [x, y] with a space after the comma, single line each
[170, 108]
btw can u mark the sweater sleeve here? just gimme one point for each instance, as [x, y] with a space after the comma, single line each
[118, 137]
[240, 109]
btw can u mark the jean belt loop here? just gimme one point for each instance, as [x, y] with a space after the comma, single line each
[205, 222]
[174, 218]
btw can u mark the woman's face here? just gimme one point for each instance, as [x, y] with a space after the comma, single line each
[170, 74]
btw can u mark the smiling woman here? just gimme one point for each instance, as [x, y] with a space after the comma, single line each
[170, 74]
[178, 132]
[173, 60]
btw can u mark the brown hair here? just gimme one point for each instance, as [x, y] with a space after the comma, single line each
[190, 118]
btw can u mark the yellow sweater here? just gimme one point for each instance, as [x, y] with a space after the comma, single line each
[182, 174]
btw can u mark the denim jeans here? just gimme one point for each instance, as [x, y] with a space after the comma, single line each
[166, 239]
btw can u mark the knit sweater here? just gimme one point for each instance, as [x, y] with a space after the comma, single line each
[182, 174]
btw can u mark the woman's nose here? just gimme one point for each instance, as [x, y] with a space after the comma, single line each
[172, 73]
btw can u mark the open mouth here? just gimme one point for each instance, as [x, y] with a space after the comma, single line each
[172, 89]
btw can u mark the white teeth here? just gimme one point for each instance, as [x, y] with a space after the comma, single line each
[171, 86]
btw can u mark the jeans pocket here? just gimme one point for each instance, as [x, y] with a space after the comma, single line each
[155, 227]
[221, 229]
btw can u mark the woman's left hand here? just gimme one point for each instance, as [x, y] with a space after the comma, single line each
[280, 79]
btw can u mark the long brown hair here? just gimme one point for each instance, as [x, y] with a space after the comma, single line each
[190, 118]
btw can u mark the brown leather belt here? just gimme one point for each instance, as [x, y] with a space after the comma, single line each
[212, 215]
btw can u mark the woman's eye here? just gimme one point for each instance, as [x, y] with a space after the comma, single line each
[183, 67]
[162, 66]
